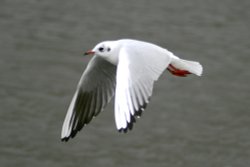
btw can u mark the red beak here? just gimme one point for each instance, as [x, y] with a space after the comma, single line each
[89, 52]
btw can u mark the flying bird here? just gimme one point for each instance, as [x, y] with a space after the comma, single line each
[127, 70]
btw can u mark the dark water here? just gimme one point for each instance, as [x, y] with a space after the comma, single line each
[191, 122]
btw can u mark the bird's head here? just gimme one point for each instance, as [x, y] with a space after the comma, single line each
[109, 50]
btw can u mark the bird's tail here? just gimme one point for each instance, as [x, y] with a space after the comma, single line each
[181, 67]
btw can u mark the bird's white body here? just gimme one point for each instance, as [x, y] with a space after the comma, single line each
[137, 47]
[126, 69]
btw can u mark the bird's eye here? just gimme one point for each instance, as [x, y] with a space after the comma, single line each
[101, 49]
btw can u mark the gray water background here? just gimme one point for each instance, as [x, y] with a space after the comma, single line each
[191, 122]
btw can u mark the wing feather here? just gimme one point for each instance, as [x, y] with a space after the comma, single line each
[95, 89]
[138, 68]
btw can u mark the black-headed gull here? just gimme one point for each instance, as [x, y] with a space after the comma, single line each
[127, 69]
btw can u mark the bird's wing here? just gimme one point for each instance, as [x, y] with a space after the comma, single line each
[95, 89]
[138, 68]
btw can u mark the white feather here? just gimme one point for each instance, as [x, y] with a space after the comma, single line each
[191, 66]
[139, 65]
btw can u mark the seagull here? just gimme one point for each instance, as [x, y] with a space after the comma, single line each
[127, 70]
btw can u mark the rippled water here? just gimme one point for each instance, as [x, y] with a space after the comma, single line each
[189, 122]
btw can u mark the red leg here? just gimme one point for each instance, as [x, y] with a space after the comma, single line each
[177, 72]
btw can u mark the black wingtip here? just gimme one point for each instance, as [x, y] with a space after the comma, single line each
[72, 135]
[123, 130]
[130, 124]
[65, 139]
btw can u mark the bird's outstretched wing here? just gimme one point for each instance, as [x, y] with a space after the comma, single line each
[139, 66]
[95, 89]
